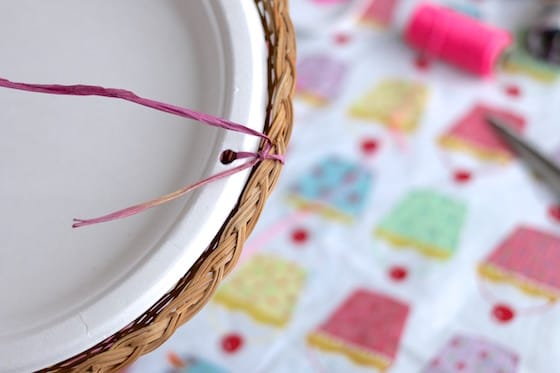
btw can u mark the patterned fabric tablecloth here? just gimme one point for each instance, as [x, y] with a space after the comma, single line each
[403, 236]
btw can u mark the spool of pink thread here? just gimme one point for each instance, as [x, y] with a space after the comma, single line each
[456, 38]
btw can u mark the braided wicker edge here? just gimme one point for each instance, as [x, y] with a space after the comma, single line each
[196, 288]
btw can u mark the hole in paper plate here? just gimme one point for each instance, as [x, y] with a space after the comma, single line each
[228, 156]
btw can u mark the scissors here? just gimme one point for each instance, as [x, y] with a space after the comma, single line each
[543, 36]
[539, 163]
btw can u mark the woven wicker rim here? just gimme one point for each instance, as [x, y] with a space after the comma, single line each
[198, 285]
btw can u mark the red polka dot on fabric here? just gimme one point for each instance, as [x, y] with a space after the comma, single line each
[232, 343]
[512, 90]
[503, 313]
[554, 213]
[398, 273]
[300, 236]
[369, 146]
[422, 62]
[175, 360]
[342, 39]
[460, 366]
[354, 198]
[462, 176]
[350, 177]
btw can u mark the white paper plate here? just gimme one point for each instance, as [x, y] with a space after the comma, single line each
[63, 290]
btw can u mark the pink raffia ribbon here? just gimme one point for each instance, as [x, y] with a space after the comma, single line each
[89, 90]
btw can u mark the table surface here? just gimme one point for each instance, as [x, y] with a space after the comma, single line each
[402, 233]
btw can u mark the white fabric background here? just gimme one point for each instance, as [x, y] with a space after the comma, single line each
[444, 296]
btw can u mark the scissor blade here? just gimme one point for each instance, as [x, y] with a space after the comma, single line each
[540, 164]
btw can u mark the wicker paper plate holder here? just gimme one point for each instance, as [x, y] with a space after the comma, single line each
[197, 286]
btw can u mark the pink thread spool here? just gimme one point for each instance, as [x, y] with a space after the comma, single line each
[456, 38]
